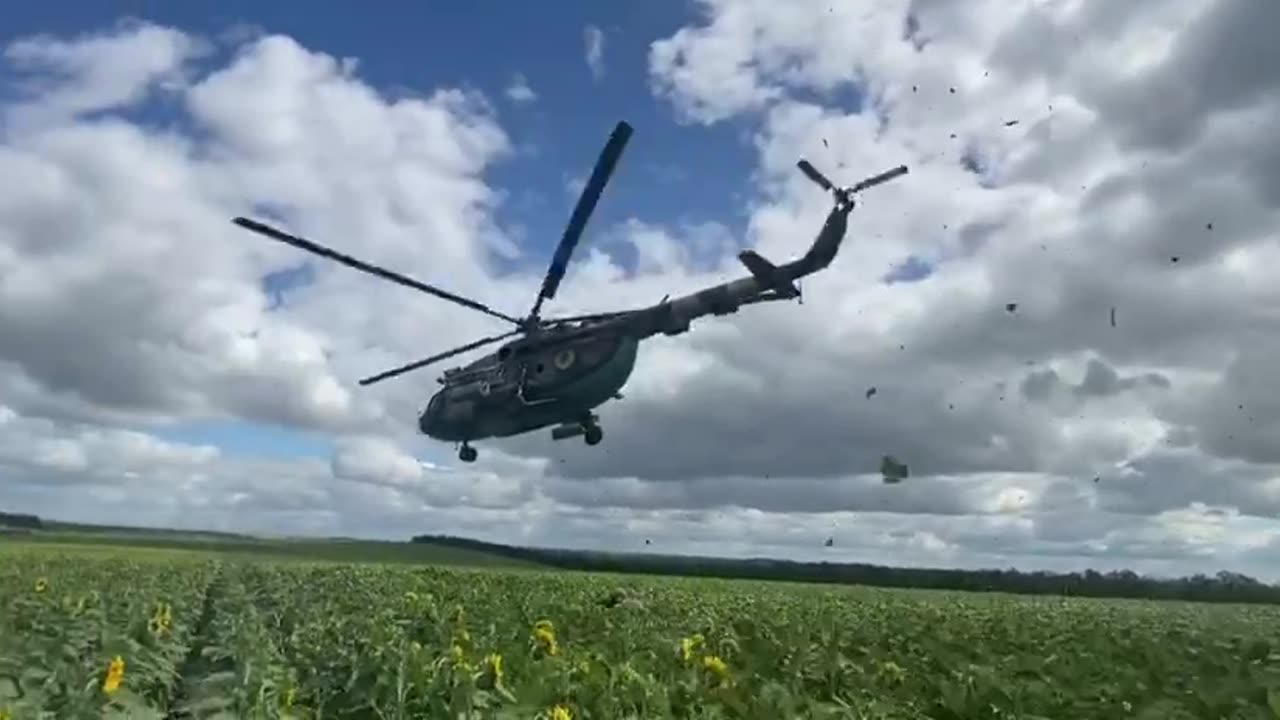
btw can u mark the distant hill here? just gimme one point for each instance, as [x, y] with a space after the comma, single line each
[58, 526]
[17, 521]
[1222, 587]
[30, 529]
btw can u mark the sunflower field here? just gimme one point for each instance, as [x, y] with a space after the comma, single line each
[186, 635]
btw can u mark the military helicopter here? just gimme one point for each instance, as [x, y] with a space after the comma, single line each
[557, 371]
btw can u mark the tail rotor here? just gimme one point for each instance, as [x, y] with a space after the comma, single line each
[845, 195]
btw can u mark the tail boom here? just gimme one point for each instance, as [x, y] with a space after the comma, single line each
[766, 281]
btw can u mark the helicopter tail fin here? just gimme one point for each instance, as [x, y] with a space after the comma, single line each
[767, 274]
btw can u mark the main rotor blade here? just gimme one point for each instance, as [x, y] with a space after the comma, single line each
[383, 273]
[812, 173]
[605, 165]
[883, 177]
[436, 358]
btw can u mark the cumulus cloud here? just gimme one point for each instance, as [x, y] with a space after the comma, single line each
[593, 38]
[104, 71]
[519, 91]
[1046, 436]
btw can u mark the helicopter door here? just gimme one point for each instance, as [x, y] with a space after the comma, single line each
[523, 383]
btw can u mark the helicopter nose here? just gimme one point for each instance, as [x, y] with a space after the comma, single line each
[429, 422]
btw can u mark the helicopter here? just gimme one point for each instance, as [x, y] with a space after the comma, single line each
[554, 372]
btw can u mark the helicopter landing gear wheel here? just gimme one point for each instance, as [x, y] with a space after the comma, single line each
[467, 454]
[593, 434]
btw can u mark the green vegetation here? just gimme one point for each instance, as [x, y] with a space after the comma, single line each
[201, 634]
[32, 529]
[245, 547]
[1225, 587]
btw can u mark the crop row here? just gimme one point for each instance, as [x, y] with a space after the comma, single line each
[198, 638]
[71, 631]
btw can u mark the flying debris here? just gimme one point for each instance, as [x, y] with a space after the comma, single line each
[830, 542]
[1011, 307]
[1113, 317]
[893, 471]
[554, 372]
[871, 391]
[1010, 123]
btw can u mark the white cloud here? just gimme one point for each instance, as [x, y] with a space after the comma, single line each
[593, 37]
[128, 302]
[573, 187]
[519, 91]
[95, 72]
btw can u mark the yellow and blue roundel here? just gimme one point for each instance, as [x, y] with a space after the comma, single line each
[564, 359]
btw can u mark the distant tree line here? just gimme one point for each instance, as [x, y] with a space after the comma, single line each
[18, 520]
[1222, 587]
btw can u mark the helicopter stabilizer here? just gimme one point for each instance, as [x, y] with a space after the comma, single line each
[767, 274]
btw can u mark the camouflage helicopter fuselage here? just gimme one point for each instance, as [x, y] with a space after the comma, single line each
[525, 386]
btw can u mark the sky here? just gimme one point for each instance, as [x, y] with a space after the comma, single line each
[1066, 308]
